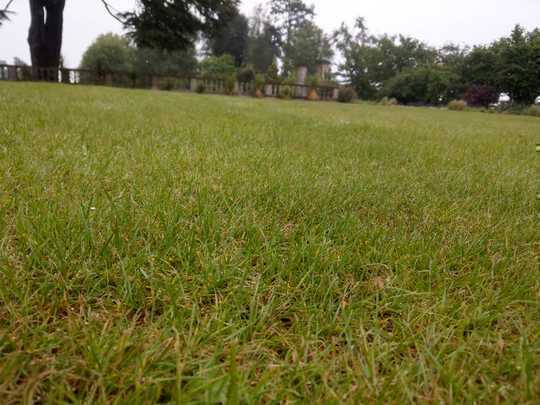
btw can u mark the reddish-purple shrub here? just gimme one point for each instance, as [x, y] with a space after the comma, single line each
[481, 96]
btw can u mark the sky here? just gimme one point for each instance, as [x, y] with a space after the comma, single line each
[436, 22]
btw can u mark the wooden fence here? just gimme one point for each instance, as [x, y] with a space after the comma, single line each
[160, 82]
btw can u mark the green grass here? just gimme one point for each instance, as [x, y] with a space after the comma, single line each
[190, 248]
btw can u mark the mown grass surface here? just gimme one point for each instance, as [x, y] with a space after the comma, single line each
[159, 247]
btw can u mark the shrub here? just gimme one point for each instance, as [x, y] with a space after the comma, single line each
[284, 92]
[108, 53]
[457, 105]
[533, 110]
[258, 89]
[218, 66]
[230, 82]
[272, 74]
[246, 75]
[346, 95]
[429, 85]
[388, 101]
[201, 88]
[313, 81]
[481, 96]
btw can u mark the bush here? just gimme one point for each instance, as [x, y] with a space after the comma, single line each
[429, 85]
[533, 110]
[272, 74]
[201, 88]
[313, 81]
[346, 95]
[230, 82]
[388, 101]
[246, 75]
[109, 53]
[260, 81]
[218, 66]
[457, 105]
[481, 96]
[284, 92]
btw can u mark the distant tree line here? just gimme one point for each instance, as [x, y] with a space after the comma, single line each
[415, 73]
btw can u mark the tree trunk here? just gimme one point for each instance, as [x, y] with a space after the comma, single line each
[45, 35]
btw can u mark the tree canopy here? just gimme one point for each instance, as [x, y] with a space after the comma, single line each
[173, 24]
[231, 38]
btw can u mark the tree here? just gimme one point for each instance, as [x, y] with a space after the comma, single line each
[479, 67]
[357, 55]
[517, 65]
[19, 62]
[218, 66]
[172, 24]
[370, 61]
[149, 62]
[109, 53]
[162, 24]
[309, 46]
[232, 38]
[263, 41]
[5, 12]
[45, 35]
[433, 85]
[288, 16]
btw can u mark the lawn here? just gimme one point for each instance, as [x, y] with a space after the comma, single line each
[171, 247]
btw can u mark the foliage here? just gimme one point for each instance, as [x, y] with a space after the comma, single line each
[285, 92]
[109, 53]
[158, 62]
[170, 248]
[457, 105]
[263, 44]
[308, 46]
[218, 66]
[346, 95]
[313, 81]
[272, 74]
[479, 67]
[288, 17]
[369, 61]
[518, 65]
[428, 85]
[19, 62]
[246, 74]
[481, 96]
[173, 24]
[260, 81]
[231, 38]
[230, 83]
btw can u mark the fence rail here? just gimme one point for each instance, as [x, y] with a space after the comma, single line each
[160, 82]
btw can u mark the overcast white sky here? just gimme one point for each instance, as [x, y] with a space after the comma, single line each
[434, 21]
